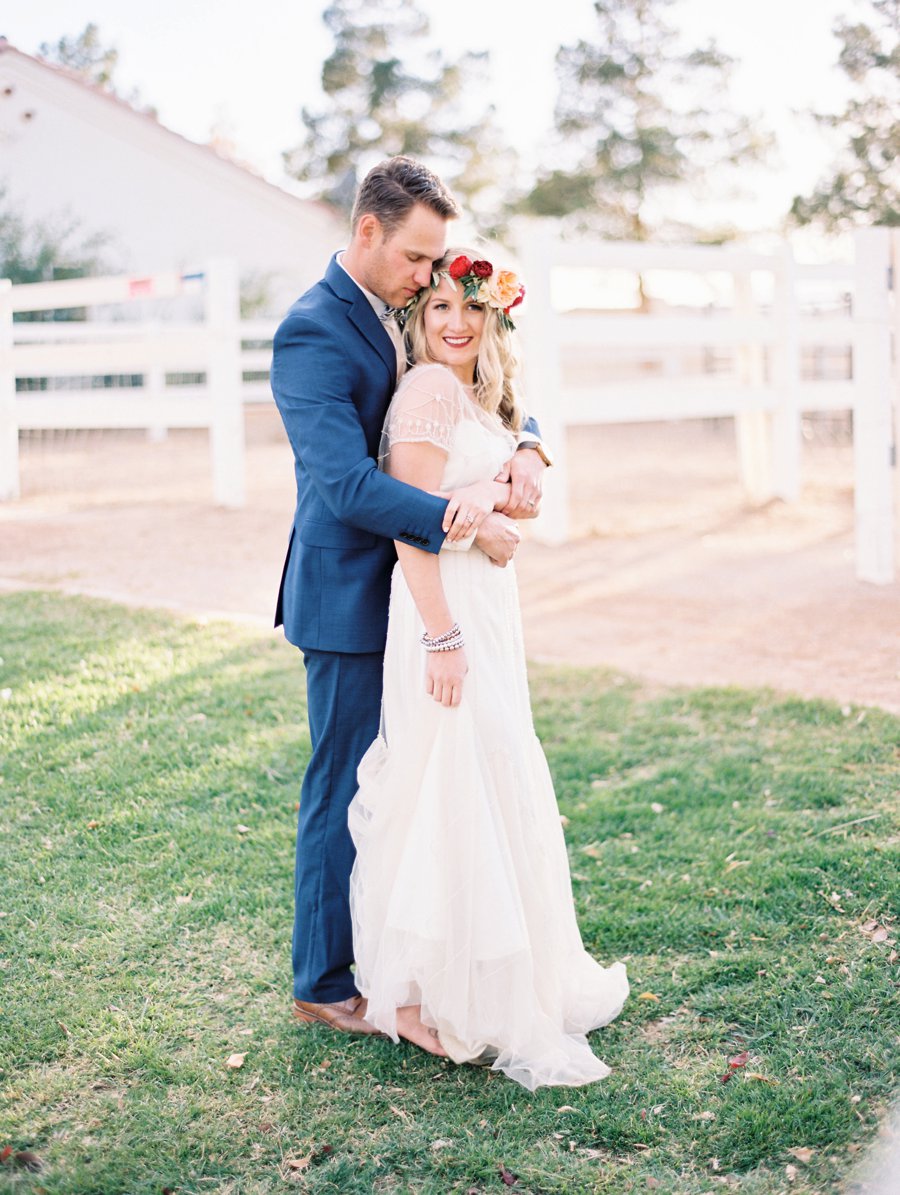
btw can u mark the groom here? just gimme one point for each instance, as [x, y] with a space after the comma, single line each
[336, 361]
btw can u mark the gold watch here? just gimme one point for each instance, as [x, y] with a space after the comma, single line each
[540, 450]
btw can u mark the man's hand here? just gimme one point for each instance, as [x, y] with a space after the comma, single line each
[526, 471]
[498, 537]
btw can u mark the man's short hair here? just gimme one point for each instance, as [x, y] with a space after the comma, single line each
[396, 185]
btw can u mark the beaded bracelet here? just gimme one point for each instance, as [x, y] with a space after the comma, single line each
[451, 634]
[451, 640]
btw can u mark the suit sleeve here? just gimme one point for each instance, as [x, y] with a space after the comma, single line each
[312, 385]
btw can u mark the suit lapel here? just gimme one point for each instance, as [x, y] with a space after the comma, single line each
[361, 314]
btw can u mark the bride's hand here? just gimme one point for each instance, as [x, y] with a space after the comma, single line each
[444, 674]
[470, 506]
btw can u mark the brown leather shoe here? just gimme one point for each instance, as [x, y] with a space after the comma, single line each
[347, 1016]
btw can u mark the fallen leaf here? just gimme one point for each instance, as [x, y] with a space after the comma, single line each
[657, 808]
[648, 996]
[791, 1172]
[243, 829]
[235, 1061]
[399, 1112]
[25, 1160]
[507, 1176]
[5, 1152]
[592, 849]
[652, 1182]
[441, 1143]
[566, 1108]
[802, 1154]
[737, 863]
[880, 934]
[760, 1078]
[704, 1116]
[563, 820]
[298, 1164]
[727, 1077]
[739, 1059]
[93, 824]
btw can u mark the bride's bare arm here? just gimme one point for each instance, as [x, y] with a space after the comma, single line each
[422, 465]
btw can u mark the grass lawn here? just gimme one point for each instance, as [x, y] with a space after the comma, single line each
[738, 849]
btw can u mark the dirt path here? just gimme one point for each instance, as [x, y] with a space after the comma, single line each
[672, 579]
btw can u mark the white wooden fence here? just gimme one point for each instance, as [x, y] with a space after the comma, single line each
[148, 349]
[764, 389]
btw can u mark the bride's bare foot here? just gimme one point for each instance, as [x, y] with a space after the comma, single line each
[411, 1028]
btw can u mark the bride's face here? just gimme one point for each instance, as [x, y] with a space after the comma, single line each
[453, 329]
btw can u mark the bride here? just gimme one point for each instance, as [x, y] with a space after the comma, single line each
[464, 926]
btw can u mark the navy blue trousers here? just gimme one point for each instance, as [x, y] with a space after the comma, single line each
[344, 704]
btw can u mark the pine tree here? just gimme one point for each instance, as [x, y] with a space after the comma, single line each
[864, 187]
[377, 105]
[631, 126]
[85, 55]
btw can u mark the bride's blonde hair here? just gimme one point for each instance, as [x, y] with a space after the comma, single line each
[498, 362]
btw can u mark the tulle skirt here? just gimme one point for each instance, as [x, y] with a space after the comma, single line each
[460, 894]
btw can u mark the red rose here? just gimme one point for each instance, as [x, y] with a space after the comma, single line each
[482, 269]
[459, 267]
[518, 300]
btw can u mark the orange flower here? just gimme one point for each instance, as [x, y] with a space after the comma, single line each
[504, 289]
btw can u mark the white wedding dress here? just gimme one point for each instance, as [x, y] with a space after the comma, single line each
[460, 894]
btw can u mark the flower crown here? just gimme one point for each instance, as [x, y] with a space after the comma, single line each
[502, 290]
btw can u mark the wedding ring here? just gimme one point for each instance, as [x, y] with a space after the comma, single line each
[531, 502]
[470, 518]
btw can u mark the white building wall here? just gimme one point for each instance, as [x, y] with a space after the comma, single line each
[167, 203]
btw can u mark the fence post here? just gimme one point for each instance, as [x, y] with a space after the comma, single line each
[223, 381]
[895, 370]
[155, 376]
[534, 241]
[873, 409]
[753, 429]
[9, 428]
[785, 365]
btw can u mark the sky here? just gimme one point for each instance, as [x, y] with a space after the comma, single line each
[250, 67]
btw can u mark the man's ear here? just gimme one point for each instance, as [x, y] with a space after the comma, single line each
[369, 230]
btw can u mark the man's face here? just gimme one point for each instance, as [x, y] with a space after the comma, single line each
[399, 265]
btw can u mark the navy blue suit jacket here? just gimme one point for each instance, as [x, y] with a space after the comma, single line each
[333, 374]
[334, 371]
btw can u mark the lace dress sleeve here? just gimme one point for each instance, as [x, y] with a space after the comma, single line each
[425, 410]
